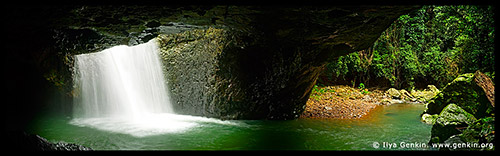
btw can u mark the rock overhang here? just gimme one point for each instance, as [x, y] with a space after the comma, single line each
[275, 56]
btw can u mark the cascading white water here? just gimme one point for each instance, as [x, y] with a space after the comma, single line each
[122, 81]
[122, 89]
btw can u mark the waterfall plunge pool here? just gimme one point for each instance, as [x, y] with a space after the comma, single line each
[124, 104]
[393, 124]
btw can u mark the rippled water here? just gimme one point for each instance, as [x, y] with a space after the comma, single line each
[397, 124]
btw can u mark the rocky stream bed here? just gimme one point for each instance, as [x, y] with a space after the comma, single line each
[345, 102]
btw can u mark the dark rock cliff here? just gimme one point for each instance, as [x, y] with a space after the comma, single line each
[266, 60]
[259, 62]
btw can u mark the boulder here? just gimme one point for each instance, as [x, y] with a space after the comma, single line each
[432, 89]
[393, 93]
[464, 92]
[429, 119]
[480, 131]
[406, 96]
[385, 101]
[450, 122]
[465, 112]
[426, 94]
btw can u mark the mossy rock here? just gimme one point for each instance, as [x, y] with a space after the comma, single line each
[450, 122]
[429, 119]
[464, 92]
[405, 95]
[480, 131]
[425, 95]
[393, 93]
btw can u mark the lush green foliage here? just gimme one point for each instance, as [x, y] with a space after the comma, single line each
[362, 89]
[317, 91]
[432, 45]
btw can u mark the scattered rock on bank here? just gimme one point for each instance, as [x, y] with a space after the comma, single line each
[419, 96]
[341, 102]
[344, 102]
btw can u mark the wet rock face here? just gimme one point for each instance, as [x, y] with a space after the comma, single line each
[260, 62]
[269, 58]
[191, 66]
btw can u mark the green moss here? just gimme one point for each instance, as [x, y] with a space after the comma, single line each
[459, 104]
[482, 131]
[449, 122]
[429, 119]
[464, 92]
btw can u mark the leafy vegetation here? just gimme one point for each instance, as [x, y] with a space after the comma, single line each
[362, 89]
[432, 45]
[318, 91]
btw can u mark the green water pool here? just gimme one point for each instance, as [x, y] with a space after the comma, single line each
[392, 127]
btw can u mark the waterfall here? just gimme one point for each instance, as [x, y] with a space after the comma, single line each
[121, 81]
[122, 89]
